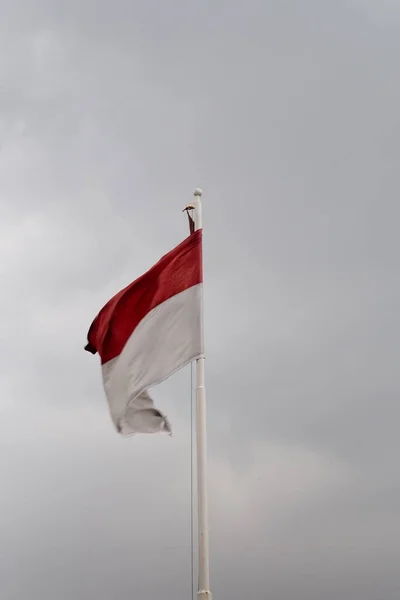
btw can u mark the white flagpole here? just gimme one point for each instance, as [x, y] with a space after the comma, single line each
[201, 439]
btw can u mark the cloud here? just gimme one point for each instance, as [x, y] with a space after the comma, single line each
[287, 116]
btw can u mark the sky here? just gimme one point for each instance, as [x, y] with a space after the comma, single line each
[286, 114]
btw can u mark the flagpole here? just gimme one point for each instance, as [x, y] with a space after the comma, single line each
[201, 440]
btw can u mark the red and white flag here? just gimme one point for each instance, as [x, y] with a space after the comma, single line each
[147, 332]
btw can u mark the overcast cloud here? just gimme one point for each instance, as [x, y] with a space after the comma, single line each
[287, 115]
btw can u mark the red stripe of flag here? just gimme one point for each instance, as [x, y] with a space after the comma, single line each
[175, 272]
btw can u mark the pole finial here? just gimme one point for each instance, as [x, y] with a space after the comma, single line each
[198, 192]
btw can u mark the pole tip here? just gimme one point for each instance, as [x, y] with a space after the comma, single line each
[197, 192]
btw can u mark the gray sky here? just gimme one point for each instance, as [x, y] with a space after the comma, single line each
[287, 115]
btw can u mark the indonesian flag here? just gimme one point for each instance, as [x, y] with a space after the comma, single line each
[147, 332]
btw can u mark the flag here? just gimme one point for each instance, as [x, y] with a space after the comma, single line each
[148, 331]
